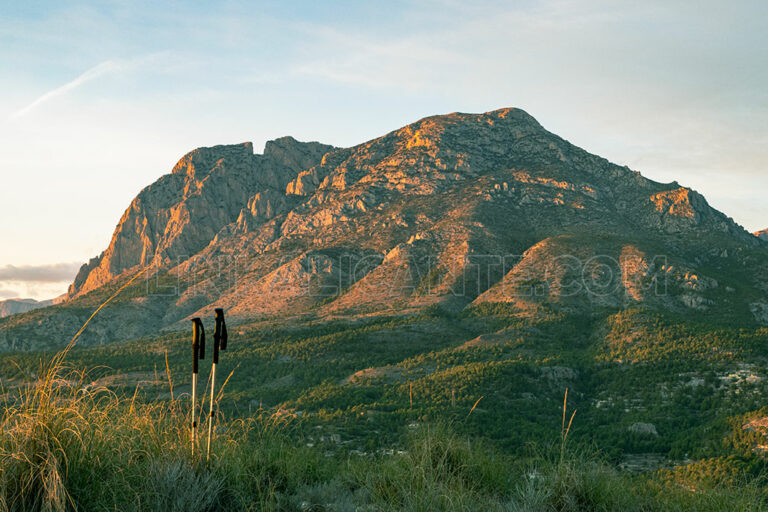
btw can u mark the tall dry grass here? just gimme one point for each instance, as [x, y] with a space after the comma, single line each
[41, 422]
[66, 444]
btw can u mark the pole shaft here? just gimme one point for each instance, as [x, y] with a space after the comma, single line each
[210, 411]
[193, 435]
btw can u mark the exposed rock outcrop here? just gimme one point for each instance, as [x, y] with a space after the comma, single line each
[648, 429]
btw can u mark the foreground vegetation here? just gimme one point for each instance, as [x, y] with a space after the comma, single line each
[436, 411]
[65, 446]
[365, 380]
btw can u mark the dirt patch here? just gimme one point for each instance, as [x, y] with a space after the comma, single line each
[503, 337]
[386, 374]
[643, 462]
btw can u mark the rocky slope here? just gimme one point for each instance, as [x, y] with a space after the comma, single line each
[455, 210]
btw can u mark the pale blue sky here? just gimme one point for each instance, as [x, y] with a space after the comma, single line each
[99, 99]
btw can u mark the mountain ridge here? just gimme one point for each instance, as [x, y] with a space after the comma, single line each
[15, 306]
[417, 217]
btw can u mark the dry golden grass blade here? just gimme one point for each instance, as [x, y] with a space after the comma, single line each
[473, 407]
[58, 358]
[221, 390]
[168, 373]
[133, 399]
[569, 424]
[565, 408]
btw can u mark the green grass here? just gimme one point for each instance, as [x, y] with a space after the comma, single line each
[616, 380]
[66, 444]
[67, 447]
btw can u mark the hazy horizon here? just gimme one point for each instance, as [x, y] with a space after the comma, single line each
[100, 100]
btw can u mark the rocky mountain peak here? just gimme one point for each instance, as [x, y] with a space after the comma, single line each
[294, 154]
[202, 160]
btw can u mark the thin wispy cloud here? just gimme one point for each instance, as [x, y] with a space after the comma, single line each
[405, 63]
[108, 66]
[101, 69]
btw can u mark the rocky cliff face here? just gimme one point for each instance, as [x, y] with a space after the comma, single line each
[207, 189]
[454, 210]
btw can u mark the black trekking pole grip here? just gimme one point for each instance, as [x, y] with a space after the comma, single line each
[198, 343]
[221, 328]
[215, 350]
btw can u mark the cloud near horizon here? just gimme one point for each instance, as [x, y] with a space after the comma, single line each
[6, 293]
[39, 282]
[51, 273]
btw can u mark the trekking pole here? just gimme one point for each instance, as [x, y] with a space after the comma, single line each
[198, 352]
[219, 343]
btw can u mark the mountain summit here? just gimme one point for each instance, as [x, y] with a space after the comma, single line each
[453, 210]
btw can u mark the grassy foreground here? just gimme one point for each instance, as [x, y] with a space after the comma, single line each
[65, 446]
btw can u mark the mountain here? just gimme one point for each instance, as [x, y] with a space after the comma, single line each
[14, 306]
[762, 235]
[207, 189]
[453, 211]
